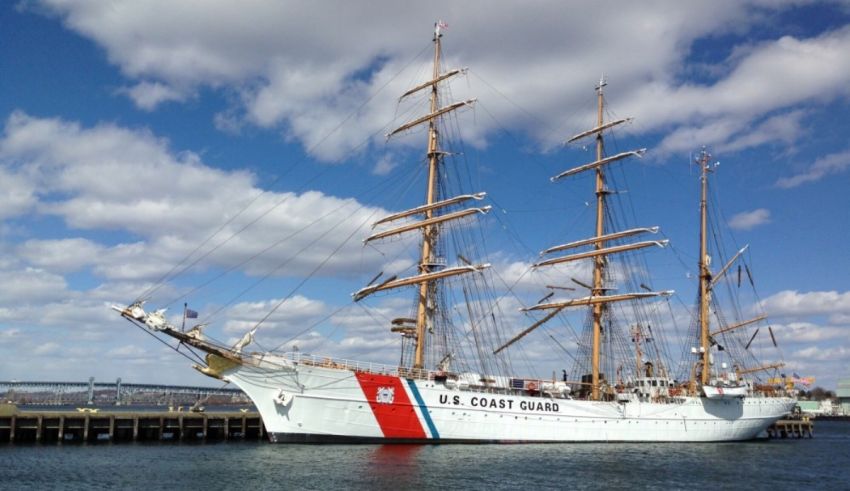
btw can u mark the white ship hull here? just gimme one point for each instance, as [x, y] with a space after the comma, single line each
[303, 401]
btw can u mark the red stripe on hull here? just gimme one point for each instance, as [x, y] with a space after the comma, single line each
[391, 406]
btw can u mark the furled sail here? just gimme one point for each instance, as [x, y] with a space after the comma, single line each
[427, 222]
[603, 238]
[602, 252]
[418, 279]
[597, 299]
[557, 307]
[599, 163]
[599, 129]
[432, 206]
[431, 116]
[431, 83]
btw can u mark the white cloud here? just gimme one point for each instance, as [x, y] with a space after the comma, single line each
[357, 332]
[149, 95]
[783, 128]
[297, 68]
[30, 286]
[384, 165]
[521, 277]
[128, 351]
[834, 163]
[50, 348]
[296, 312]
[821, 354]
[808, 332]
[795, 70]
[228, 122]
[793, 303]
[7, 334]
[748, 220]
[840, 319]
[131, 183]
[113, 178]
[60, 255]
[17, 194]
[733, 133]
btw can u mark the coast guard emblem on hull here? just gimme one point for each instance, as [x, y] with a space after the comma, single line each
[385, 395]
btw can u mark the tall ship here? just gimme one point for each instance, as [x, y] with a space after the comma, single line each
[456, 381]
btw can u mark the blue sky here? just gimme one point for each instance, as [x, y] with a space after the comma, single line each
[131, 131]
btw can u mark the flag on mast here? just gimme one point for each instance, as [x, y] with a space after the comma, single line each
[187, 314]
[440, 25]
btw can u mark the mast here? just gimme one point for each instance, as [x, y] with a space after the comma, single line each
[704, 270]
[434, 215]
[636, 335]
[423, 313]
[599, 252]
[599, 261]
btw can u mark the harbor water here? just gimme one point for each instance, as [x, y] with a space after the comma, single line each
[822, 462]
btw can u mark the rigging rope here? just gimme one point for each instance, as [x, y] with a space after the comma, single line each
[170, 275]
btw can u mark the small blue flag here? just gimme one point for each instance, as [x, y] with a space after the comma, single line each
[191, 314]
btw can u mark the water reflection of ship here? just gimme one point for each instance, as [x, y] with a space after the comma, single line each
[395, 463]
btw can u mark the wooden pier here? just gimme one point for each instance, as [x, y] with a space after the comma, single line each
[792, 428]
[126, 426]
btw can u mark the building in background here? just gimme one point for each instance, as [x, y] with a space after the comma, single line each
[817, 408]
[843, 394]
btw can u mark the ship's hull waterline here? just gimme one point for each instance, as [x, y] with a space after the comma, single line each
[313, 403]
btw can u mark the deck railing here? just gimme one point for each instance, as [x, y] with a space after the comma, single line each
[357, 366]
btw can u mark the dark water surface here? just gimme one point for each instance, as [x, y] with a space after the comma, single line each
[819, 463]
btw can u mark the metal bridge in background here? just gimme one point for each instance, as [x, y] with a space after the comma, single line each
[92, 392]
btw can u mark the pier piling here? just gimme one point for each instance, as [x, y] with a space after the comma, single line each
[117, 426]
[791, 428]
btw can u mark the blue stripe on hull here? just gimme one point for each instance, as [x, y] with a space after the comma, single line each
[423, 409]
